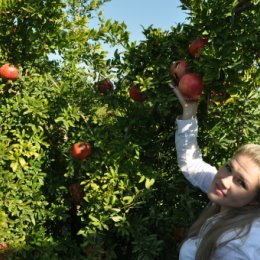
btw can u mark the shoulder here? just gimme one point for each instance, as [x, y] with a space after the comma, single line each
[251, 242]
[247, 247]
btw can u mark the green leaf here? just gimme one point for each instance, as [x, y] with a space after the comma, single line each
[149, 183]
[116, 218]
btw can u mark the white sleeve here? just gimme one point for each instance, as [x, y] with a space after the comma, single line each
[197, 172]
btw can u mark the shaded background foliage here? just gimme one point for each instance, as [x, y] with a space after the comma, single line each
[136, 203]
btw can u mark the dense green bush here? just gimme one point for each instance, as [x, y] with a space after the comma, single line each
[131, 201]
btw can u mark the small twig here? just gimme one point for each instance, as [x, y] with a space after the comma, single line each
[86, 122]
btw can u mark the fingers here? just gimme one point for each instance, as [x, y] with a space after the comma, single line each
[178, 94]
[189, 110]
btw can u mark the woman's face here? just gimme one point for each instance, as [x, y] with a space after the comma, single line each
[236, 184]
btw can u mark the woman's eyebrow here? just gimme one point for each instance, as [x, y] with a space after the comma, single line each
[241, 176]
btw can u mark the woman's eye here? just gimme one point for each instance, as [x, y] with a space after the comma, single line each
[237, 179]
[241, 183]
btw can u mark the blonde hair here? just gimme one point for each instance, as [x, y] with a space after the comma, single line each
[238, 219]
[251, 150]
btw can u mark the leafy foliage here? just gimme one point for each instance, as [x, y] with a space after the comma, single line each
[133, 201]
[6, 4]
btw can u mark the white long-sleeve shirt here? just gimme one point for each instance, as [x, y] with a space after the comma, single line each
[201, 174]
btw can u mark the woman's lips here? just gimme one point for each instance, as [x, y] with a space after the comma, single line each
[219, 191]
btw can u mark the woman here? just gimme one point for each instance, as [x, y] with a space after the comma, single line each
[229, 228]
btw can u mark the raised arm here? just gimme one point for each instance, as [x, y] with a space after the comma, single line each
[189, 156]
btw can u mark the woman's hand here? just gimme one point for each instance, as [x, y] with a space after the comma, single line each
[189, 107]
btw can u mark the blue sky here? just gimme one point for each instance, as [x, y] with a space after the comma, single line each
[137, 13]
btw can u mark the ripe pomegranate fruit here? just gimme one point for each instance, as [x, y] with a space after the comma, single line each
[191, 86]
[196, 46]
[105, 86]
[81, 150]
[9, 72]
[136, 94]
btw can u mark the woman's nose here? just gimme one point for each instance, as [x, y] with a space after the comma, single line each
[226, 181]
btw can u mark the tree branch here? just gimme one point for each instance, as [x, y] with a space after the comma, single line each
[241, 9]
